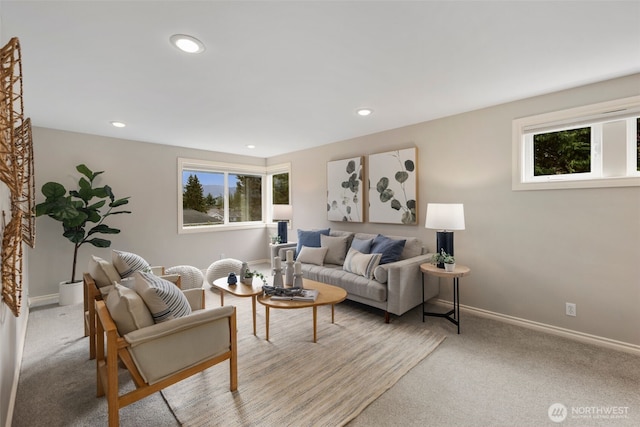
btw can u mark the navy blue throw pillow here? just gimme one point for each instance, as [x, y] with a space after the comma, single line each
[309, 238]
[389, 248]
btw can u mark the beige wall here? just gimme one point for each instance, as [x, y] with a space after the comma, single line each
[148, 174]
[530, 252]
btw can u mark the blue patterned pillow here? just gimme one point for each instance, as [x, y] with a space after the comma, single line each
[164, 299]
[389, 248]
[310, 239]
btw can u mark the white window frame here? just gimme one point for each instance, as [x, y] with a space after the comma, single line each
[592, 115]
[230, 168]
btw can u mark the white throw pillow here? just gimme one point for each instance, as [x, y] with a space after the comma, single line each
[337, 248]
[128, 263]
[362, 264]
[103, 272]
[310, 255]
[127, 310]
[164, 299]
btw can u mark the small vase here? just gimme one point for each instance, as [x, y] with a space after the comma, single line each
[449, 267]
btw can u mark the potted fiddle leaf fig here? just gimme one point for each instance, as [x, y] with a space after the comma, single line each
[82, 212]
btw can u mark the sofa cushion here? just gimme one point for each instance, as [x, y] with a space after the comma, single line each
[362, 245]
[337, 248]
[361, 264]
[309, 238]
[310, 255]
[389, 248]
[164, 299]
[128, 263]
[356, 285]
[127, 309]
[103, 272]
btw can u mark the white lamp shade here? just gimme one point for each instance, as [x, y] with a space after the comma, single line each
[282, 212]
[445, 216]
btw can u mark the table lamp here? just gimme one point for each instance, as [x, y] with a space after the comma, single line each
[445, 217]
[284, 214]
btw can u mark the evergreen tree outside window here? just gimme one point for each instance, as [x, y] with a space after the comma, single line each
[218, 196]
[591, 146]
[280, 189]
[562, 152]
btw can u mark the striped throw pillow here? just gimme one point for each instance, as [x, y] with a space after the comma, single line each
[128, 263]
[362, 264]
[164, 299]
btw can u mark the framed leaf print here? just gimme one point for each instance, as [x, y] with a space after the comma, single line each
[344, 190]
[393, 187]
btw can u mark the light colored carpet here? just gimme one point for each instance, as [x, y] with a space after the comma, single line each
[290, 380]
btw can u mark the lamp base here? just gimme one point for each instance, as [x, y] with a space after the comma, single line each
[444, 242]
[282, 231]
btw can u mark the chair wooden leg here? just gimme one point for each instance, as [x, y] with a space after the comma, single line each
[85, 305]
[112, 380]
[233, 360]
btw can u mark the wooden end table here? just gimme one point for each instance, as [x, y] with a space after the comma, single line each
[458, 272]
[327, 295]
[240, 290]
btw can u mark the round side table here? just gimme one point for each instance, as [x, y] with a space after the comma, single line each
[459, 271]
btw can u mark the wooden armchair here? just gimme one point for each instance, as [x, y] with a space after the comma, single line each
[156, 356]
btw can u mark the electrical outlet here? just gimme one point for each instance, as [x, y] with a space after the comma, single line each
[570, 309]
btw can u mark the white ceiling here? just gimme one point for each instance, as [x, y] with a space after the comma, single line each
[290, 75]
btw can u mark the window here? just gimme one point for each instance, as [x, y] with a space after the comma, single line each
[215, 196]
[593, 146]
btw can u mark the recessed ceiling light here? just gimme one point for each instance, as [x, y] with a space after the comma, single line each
[364, 111]
[118, 124]
[251, 146]
[187, 43]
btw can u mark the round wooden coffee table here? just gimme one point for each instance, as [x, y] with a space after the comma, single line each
[240, 290]
[328, 295]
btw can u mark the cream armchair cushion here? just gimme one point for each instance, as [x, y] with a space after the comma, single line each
[165, 348]
[102, 271]
[128, 310]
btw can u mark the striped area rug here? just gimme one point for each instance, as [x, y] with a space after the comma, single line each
[290, 381]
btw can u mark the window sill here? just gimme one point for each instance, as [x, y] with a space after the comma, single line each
[558, 184]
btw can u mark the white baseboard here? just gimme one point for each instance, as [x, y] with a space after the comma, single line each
[550, 329]
[43, 300]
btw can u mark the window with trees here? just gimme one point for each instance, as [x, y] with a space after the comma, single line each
[218, 196]
[592, 146]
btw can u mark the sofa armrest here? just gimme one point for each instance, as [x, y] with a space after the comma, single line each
[404, 284]
[283, 248]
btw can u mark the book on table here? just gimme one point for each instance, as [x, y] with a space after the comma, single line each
[304, 295]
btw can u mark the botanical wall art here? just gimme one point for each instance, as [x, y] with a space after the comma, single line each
[16, 172]
[393, 182]
[344, 190]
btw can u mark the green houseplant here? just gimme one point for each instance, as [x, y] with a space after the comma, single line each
[444, 258]
[82, 212]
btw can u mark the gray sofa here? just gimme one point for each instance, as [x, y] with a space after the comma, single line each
[394, 287]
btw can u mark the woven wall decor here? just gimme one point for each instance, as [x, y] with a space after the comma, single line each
[25, 197]
[12, 263]
[16, 171]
